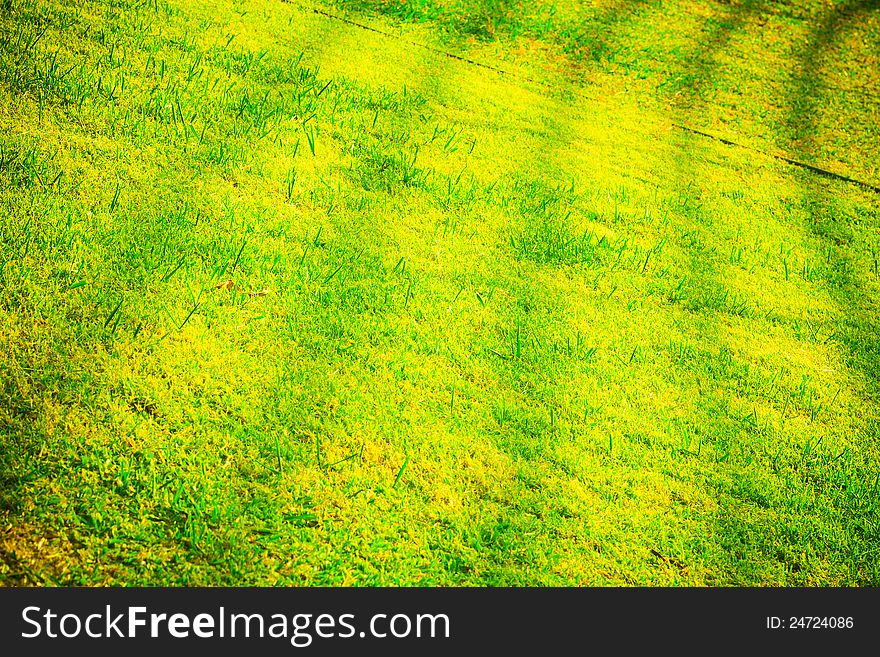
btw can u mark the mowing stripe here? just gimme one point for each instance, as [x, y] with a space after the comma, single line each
[415, 43]
[783, 158]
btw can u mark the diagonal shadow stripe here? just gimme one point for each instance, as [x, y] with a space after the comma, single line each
[718, 40]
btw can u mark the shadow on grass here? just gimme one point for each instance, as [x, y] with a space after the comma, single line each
[847, 482]
[839, 227]
[846, 229]
[699, 67]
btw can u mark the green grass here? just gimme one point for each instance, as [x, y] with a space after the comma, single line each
[285, 301]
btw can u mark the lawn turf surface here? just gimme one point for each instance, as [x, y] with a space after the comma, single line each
[285, 300]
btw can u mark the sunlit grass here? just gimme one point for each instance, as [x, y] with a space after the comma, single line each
[283, 301]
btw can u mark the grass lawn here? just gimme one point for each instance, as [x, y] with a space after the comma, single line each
[289, 295]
